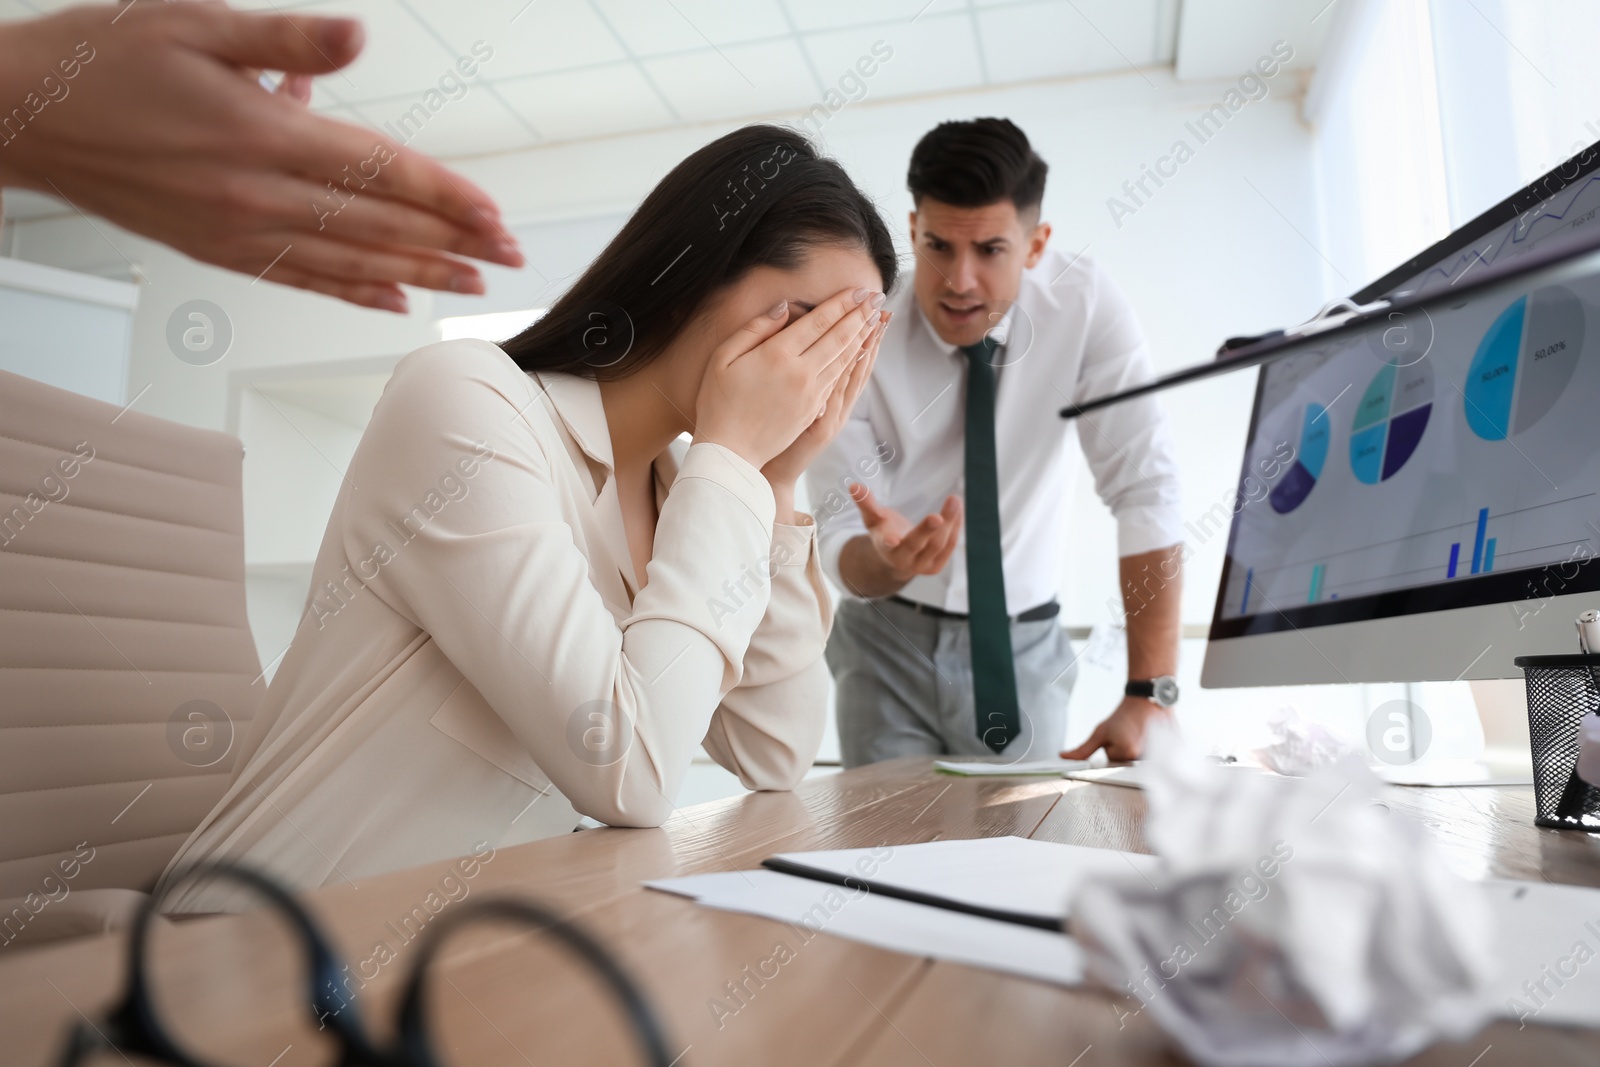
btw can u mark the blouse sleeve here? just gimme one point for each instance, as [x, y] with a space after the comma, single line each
[487, 565]
[769, 726]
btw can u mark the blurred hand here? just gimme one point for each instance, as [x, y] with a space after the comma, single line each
[908, 550]
[765, 385]
[165, 130]
[1121, 734]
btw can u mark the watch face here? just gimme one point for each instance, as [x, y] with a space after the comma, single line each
[1166, 692]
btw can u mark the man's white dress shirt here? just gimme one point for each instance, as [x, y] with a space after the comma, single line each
[1070, 336]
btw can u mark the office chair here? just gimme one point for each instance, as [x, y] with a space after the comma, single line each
[127, 671]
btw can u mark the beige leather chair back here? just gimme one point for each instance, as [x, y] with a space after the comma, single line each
[127, 671]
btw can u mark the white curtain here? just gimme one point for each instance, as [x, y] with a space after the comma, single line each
[1374, 103]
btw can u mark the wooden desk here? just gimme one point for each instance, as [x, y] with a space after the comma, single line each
[512, 1000]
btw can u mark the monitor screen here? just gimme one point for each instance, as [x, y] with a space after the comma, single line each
[1384, 481]
[1421, 496]
[1446, 461]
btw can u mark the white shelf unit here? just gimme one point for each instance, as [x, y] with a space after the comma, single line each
[300, 425]
[67, 329]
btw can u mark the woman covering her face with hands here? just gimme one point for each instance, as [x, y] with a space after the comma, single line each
[535, 598]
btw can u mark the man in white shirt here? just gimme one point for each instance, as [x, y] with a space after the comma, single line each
[947, 640]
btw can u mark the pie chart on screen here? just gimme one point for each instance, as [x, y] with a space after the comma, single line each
[1292, 490]
[1390, 420]
[1524, 363]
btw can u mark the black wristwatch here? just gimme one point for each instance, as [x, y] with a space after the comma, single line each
[1162, 691]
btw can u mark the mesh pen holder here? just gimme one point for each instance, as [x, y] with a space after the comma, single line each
[1561, 691]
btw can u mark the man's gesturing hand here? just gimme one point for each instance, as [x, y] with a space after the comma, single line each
[906, 550]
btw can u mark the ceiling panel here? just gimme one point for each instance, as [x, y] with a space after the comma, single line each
[1057, 39]
[401, 56]
[812, 15]
[752, 79]
[276, 5]
[473, 123]
[933, 54]
[593, 102]
[651, 27]
[23, 9]
[537, 38]
[1223, 38]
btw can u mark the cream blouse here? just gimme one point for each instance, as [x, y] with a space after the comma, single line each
[476, 662]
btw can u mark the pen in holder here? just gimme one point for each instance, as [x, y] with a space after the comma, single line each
[1561, 691]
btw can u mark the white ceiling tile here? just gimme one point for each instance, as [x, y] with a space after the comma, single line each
[473, 124]
[1222, 38]
[933, 54]
[587, 103]
[276, 5]
[1057, 38]
[321, 98]
[400, 57]
[16, 10]
[527, 38]
[652, 27]
[751, 79]
[834, 14]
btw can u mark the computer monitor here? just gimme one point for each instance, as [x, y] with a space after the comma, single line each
[1420, 499]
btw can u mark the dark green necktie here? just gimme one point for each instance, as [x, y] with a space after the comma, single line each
[994, 677]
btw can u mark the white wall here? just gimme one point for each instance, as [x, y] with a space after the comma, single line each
[66, 329]
[272, 326]
[1519, 92]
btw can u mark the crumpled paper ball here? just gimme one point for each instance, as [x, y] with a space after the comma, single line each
[1297, 746]
[1295, 921]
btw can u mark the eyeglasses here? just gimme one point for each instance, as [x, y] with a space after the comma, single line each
[141, 1024]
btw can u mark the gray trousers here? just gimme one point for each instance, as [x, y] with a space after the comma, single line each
[903, 685]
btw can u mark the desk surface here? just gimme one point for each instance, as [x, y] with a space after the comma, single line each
[830, 1001]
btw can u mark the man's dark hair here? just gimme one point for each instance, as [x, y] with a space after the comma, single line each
[977, 163]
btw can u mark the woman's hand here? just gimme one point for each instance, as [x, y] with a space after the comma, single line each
[767, 384]
[785, 469]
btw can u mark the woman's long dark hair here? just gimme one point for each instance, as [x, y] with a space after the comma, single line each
[759, 196]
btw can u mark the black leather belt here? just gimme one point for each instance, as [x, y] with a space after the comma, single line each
[1048, 610]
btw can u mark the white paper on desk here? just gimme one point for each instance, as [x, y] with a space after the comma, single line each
[883, 922]
[1455, 772]
[1013, 874]
[1547, 937]
[985, 768]
[1547, 946]
[1134, 776]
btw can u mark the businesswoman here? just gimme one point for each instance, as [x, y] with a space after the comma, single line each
[532, 599]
